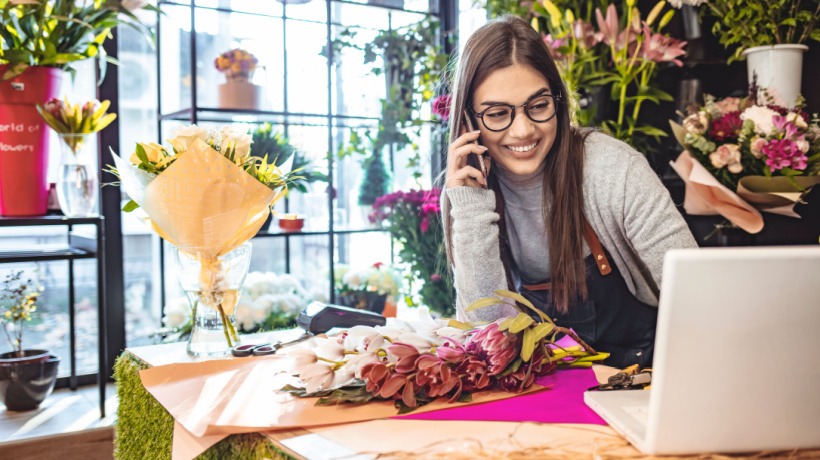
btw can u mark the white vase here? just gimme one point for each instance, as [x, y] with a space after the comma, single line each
[779, 69]
[240, 94]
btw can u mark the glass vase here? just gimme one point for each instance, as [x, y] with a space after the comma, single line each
[212, 285]
[77, 187]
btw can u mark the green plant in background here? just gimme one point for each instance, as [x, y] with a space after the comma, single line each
[18, 301]
[412, 62]
[267, 141]
[57, 33]
[376, 179]
[621, 56]
[748, 23]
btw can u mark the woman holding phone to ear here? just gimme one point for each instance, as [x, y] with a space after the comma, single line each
[574, 220]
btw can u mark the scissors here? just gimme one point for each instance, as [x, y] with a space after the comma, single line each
[263, 349]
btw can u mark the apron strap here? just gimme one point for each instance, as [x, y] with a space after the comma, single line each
[597, 251]
[601, 260]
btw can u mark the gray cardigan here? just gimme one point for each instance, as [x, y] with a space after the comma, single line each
[624, 201]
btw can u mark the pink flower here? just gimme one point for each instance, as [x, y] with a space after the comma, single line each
[756, 146]
[406, 354]
[441, 106]
[435, 277]
[609, 25]
[658, 47]
[474, 375]
[374, 375]
[451, 352]
[553, 44]
[584, 33]
[730, 104]
[783, 154]
[727, 155]
[499, 348]
[55, 108]
[424, 225]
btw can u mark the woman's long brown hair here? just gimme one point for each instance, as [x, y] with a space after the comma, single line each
[496, 45]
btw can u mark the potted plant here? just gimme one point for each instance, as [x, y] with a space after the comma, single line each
[279, 150]
[40, 40]
[27, 376]
[238, 92]
[367, 289]
[770, 35]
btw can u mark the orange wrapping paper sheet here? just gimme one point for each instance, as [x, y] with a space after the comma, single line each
[212, 399]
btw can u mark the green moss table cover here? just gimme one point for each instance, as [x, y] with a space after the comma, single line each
[144, 429]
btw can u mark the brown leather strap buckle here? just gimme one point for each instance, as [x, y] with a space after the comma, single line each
[597, 251]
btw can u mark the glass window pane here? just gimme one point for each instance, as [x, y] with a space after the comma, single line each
[306, 68]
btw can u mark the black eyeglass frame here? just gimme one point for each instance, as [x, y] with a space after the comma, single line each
[514, 108]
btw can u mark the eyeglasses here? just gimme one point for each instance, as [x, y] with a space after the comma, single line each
[540, 108]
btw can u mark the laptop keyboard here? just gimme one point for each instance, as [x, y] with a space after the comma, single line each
[639, 413]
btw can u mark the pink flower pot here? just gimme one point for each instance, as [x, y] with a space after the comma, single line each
[24, 140]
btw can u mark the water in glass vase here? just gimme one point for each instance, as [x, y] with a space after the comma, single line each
[214, 324]
[77, 190]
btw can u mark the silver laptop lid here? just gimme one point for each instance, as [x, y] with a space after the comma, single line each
[737, 353]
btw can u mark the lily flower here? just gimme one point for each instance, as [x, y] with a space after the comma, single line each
[660, 48]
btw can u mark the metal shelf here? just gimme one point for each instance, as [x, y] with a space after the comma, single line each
[215, 114]
[336, 231]
[36, 221]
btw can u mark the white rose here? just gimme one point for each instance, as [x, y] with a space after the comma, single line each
[186, 136]
[241, 142]
[762, 118]
[244, 313]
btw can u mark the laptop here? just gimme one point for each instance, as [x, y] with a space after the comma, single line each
[737, 355]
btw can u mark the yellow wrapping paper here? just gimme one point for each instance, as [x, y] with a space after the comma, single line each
[203, 203]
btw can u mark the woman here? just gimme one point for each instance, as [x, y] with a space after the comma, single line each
[575, 221]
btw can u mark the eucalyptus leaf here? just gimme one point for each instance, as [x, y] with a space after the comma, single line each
[520, 322]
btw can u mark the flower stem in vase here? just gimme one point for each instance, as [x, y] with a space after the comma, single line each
[229, 329]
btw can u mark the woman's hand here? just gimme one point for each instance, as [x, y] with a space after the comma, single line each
[459, 173]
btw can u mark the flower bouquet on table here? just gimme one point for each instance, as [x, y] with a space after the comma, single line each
[413, 219]
[747, 155]
[207, 196]
[369, 289]
[413, 363]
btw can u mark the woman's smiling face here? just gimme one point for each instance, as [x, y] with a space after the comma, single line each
[523, 146]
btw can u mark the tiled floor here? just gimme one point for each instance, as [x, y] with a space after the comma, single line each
[62, 412]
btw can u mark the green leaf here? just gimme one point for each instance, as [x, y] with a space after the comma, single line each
[141, 154]
[483, 303]
[130, 206]
[541, 330]
[527, 345]
[522, 300]
[520, 322]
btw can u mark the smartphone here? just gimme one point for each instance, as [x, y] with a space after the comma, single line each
[472, 160]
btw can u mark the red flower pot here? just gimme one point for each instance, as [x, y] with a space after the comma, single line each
[24, 140]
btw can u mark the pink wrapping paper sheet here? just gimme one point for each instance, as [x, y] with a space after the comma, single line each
[706, 196]
[562, 402]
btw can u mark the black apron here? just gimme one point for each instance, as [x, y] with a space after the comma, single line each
[611, 318]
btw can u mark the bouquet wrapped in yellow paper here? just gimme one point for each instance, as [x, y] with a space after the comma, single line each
[207, 196]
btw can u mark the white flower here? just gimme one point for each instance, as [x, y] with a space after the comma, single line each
[184, 137]
[803, 145]
[679, 3]
[177, 312]
[290, 303]
[240, 141]
[422, 343]
[245, 317]
[453, 333]
[298, 358]
[797, 120]
[352, 279]
[356, 362]
[317, 376]
[762, 118]
[329, 348]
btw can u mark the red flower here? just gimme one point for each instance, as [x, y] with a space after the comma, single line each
[374, 374]
[407, 356]
[499, 348]
[726, 127]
